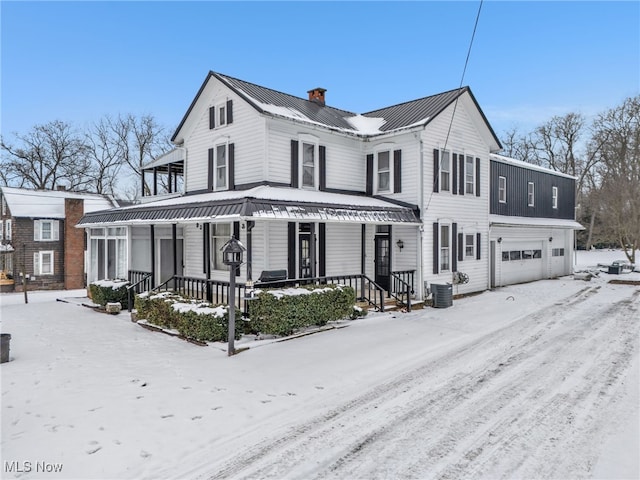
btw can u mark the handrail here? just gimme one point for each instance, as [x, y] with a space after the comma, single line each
[134, 287]
[402, 287]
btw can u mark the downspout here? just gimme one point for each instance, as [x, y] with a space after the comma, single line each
[420, 234]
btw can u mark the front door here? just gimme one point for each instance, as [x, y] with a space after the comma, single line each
[382, 260]
[304, 252]
[166, 259]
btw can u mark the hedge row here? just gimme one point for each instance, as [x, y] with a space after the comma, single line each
[191, 318]
[109, 291]
[283, 311]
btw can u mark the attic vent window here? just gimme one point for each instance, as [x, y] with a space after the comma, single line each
[317, 95]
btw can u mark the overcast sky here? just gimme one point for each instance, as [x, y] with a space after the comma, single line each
[78, 61]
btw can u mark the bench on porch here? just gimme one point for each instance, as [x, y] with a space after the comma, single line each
[272, 276]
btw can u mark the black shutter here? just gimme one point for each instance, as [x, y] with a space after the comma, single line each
[461, 247]
[232, 167]
[436, 170]
[206, 235]
[294, 163]
[461, 174]
[322, 249]
[478, 246]
[212, 118]
[477, 177]
[229, 111]
[436, 231]
[323, 167]
[454, 247]
[454, 174]
[211, 171]
[236, 234]
[291, 248]
[369, 190]
[397, 171]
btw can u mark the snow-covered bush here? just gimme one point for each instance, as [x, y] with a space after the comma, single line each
[283, 311]
[191, 318]
[357, 312]
[109, 291]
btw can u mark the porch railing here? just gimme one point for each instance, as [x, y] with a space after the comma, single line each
[217, 291]
[139, 282]
[402, 287]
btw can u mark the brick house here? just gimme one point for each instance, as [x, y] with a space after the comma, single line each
[37, 236]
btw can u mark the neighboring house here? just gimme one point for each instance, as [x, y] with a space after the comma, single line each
[38, 236]
[400, 193]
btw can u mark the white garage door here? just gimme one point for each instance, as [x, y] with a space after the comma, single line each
[521, 262]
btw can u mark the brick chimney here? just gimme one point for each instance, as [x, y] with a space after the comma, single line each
[317, 95]
[73, 244]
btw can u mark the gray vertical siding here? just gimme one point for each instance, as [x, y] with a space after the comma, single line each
[517, 180]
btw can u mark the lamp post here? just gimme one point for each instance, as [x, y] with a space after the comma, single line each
[232, 253]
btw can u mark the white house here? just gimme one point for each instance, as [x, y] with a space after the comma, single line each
[391, 198]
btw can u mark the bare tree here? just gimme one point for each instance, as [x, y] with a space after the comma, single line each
[106, 155]
[47, 156]
[519, 146]
[617, 131]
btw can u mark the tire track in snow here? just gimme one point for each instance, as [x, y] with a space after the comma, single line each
[362, 437]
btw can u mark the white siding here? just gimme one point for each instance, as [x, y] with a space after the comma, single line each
[343, 249]
[193, 252]
[469, 212]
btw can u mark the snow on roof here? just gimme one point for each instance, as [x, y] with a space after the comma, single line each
[50, 203]
[530, 166]
[534, 222]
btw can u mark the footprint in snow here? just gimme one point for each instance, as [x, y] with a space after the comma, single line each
[93, 450]
[144, 454]
[319, 387]
[167, 416]
[265, 401]
[197, 417]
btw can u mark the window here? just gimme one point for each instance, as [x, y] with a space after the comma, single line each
[220, 234]
[46, 230]
[502, 189]
[469, 175]
[444, 248]
[557, 252]
[554, 197]
[221, 167]
[308, 165]
[530, 194]
[445, 171]
[384, 171]
[222, 115]
[7, 230]
[469, 245]
[108, 253]
[1, 230]
[43, 263]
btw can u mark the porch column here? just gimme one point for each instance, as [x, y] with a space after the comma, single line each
[250, 225]
[170, 174]
[312, 248]
[155, 181]
[153, 255]
[363, 263]
[174, 245]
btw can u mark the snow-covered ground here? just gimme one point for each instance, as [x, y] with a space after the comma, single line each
[539, 380]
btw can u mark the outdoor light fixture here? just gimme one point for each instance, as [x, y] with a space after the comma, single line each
[550, 239]
[499, 239]
[232, 255]
[400, 244]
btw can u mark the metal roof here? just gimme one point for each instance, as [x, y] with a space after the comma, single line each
[252, 208]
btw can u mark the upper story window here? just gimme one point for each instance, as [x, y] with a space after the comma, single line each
[469, 245]
[469, 175]
[46, 230]
[7, 229]
[220, 167]
[1, 229]
[445, 171]
[309, 169]
[530, 194]
[554, 197]
[384, 172]
[221, 114]
[502, 189]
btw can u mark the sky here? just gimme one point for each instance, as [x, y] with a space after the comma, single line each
[79, 61]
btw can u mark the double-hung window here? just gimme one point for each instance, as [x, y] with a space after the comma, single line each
[445, 171]
[220, 234]
[469, 175]
[46, 230]
[530, 194]
[554, 197]
[7, 229]
[502, 189]
[384, 172]
[221, 167]
[43, 263]
[308, 165]
[469, 246]
[222, 115]
[445, 250]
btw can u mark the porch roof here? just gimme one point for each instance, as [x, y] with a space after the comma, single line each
[259, 203]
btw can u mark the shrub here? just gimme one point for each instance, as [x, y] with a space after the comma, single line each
[109, 291]
[283, 311]
[193, 319]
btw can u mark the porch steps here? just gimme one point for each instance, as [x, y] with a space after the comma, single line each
[392, 305]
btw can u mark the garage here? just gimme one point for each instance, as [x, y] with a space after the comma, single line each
[521, 261]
